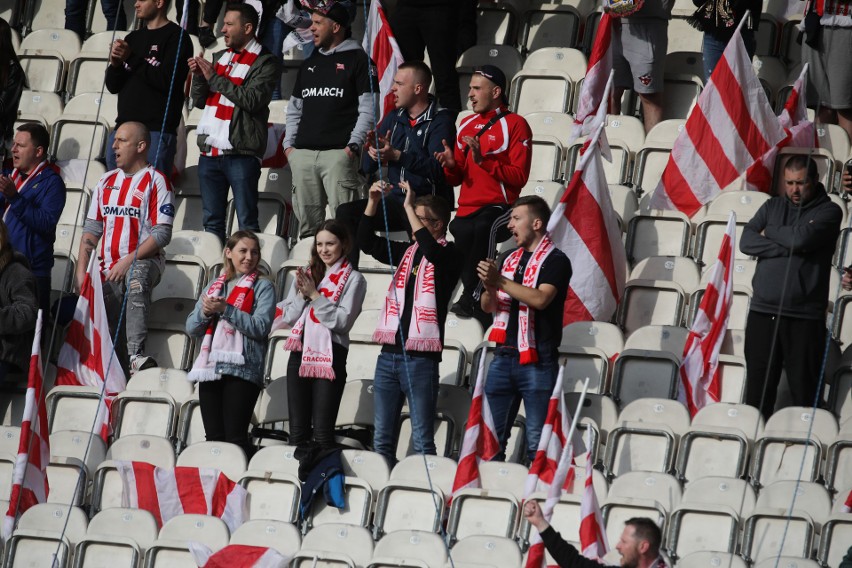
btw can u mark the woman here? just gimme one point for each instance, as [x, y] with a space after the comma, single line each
[234, 316]
[321, 307]
[18, 308]
[12, 83]
[718, 19]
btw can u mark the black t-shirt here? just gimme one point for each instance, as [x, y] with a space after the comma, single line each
[556, 270]
[329, 86]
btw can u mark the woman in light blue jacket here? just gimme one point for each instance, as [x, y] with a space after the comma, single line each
[234, 316]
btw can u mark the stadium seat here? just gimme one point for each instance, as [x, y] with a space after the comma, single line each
[356, 406]
[76, 207]
[441, 471]
[651, 302]
[227, 458]
[564, 59]
[94, 104]
[709, 232]
[358, 496]
[505, 57]
[72, 408]
[557, 125]
[190, 426]
[616, 171]
[835, 536]
[466, 331]
[144, 412]
[335, 545]
[625, 203]
[681, 270]
[45, 532]
[197, 243]
[542, 90]
[639, 373]
[273, 496]
[785, 520]
[271, 411]
[646, 436]
[9, 440]
[489, 512]
[659, 234]
[547, 158]
[744, 203]
[117, 537]
[45, 70]
[408, 505]
[169, 345]
[183, 278]
[86, 75]
[496, 23]
[272, 214]
[712, 450]
[64, 41]
[409, 548]
[489, 550]
[78, 138]
[186, 212]
[68, 478]
[680, 94]
[597, 407]
[550, 25]
[741, 299]
[683, 37]
[685, 63]
[172, 381]
[838, 469]
[283, 537]
[171, 549]
[711, 560]
[45, 104]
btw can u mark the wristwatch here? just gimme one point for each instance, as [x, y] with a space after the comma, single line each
[355, 148]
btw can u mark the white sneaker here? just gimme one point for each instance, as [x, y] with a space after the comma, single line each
[141, 362]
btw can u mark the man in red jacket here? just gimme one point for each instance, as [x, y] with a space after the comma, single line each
[491, 161]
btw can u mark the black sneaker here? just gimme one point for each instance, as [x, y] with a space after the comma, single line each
[206, 37]
[464, 307]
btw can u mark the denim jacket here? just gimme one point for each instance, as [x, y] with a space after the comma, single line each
[254, 327]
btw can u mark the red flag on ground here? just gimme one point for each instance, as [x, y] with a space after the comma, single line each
[29, 478]
[480, 441]
[238, 556]
[593, 543]
[585, 227]
[699, 371]
[800, 133]
[730, 127]
[551, 469]
[87, 356]
[593, 93]
[166, 493]
[382, 48]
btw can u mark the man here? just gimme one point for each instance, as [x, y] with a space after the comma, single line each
[526, 293]
[491, 161]
[149, 85]
[328, 117]
[433, 26]
[234, 92]
[828, 38]
[414, 315]
[405, 147]
[132, 206]
[793, 237]
[32, 197]
[639, 42]
[639, 544]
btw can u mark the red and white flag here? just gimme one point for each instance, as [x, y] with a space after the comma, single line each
[699, 370]
[846, 507]
[584, 226]
[730, 127]
[87, 357]
[551, 470]
[382, 48]
[593, 542]
[799, 131]
[593, 93]
[29, 477]
[238, 556]
[480, 440]
[167, 493]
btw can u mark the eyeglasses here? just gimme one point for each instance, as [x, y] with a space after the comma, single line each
[430, 220]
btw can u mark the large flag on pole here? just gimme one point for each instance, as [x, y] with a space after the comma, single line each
[730, 127]
[585, 227]
[480, 441]
[382, 48]
[594, 92]
[166, 493]
[699, 371]
[29, 478]
[87, 357]
[800, 133]
[593, 542]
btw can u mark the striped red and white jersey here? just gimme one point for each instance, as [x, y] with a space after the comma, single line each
[120, 201]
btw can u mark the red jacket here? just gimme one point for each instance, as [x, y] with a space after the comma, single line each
[507, 154]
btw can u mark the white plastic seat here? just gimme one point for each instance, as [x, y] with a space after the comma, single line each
[143, 448]
[651, 302]
[64, 41]
[273, 496]
[408, 505]
[68, 479]
[76, 207]
[680, 94]
[566, 59]
[116, 537]
[169, 345]
[75, 444]
[45, 530]
[72, 408]
[272, 214]
[557, 125]
[483, 512]
[740, 302]
[550, 25]
[80, 138]
[496, 23]
[335, 545]
[183, 277]
[197, 243]
[171, 381]
[550, 191]
[548, 157]
[138, 524]
[277, 459]
[838, 469]
[281, 536]
[171, 549]
[711, 560]
[744, 203]
[677, 269]
[402, 547]
[490, 550]
[86, 74]
[640, 446]
[144, 412]
[836, 535]
[227, 458]
[271, 408]
[356, 406]
[640, 373]
[709, 232]
[48, 105]
[599, 408]
[44, 69]
[442, 471]
[358, 496]
[186, 211]
[787, 562]
[660, 234]
[467, 331]
[542, 90]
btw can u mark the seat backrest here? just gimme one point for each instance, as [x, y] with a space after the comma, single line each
[799, 419]
[227, 458]
[678, 269]
[206, 529]
[48, 105]
[57, 518]
[172, 381]
[809, 496]
[283, 537]
[601, 335]
[89, 448]
[657, 410]
[354, 542]
[368, 466]
[138, 524]
[734, 493]
[277, 458]
[491, 550]
[143, 448]
[442, 471]
[272, 402]
[504, 476]
[204, 245]
[413, 545]
[65, 42]
[565, 59]
[706, 559]
[660, 487]
[658, 338]
[554, 124]
[744, 203]
[741, 416]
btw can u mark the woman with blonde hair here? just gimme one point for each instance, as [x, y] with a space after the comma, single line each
[234, 316]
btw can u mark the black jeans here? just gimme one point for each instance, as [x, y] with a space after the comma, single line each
[313, 403]
[471, 234]
[350, 214]
[434, 28]
[226, 409]
[798, 348]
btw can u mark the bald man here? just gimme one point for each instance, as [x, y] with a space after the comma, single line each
[132, 206]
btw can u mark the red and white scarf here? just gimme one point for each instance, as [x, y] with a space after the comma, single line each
[526, 319]
[21, 181]
[216, 119]
[311, 337]
[223, 343]
[424, 334]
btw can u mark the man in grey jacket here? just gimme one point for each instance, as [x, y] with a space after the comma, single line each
[793, 237]
[234, 91]
[328, 117]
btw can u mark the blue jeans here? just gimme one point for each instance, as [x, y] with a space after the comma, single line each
[415, 379]
[714, 47]
[161, 152]
[75, 15]
[508, 383]
[239, 172]
[111, 8]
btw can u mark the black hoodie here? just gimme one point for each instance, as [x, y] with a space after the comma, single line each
[811, 233]
[18, 311]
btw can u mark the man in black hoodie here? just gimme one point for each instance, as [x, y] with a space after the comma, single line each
[793, 237]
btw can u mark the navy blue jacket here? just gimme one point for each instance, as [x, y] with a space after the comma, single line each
[32, 218]
[418, 144]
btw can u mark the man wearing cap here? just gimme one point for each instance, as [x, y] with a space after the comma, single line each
[328, 117]
[491, 161]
